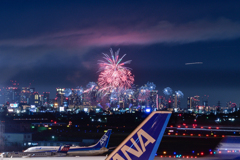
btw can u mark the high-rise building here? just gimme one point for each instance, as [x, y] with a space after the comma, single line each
[12, 93]
[26, 95]
[46, 96]
[60, 96]
[35, 100]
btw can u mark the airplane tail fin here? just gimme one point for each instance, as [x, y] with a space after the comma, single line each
[63, 149]
[103, 142]
[144, 141]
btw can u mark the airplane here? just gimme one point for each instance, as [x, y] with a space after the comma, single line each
[62, 151]
[99, 148]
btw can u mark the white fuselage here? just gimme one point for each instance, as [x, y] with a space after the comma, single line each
[73, 151]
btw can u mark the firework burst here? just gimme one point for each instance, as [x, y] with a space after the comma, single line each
[113, 73]
[179, 94]
[167, 91]
[151, 86]
[67, 92]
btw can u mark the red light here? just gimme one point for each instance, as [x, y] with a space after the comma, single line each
[55, 122]
[169, 101]
[210, 152]
[178, 126]
[201, 127]
[51, 120]
[217, 127]
[206, 135]
[202, 153]
[183, 134]
[223, 136]
[215, 135]
[171, 126]
[194, 127]
[209, 127]
[220, 152]
[191, 134]
[184, 124]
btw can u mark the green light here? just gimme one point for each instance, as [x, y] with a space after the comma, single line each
[33, 127]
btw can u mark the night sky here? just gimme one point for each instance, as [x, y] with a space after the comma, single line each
[57, 44]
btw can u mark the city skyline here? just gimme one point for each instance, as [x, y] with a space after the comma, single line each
[58, 43]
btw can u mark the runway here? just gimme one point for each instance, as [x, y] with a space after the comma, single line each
[216, 157]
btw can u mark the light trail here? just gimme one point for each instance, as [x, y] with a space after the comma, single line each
[193, 63]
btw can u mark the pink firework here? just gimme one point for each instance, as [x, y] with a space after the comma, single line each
[113, 73]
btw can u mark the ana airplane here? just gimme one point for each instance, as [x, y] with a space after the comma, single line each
[62, 151]
[99, 148]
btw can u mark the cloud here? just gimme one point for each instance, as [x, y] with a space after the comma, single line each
[140, 34]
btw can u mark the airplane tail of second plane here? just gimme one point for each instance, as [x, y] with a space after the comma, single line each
[103, 142]
[144, 141]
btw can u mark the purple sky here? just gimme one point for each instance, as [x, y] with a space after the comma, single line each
[57, 44]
